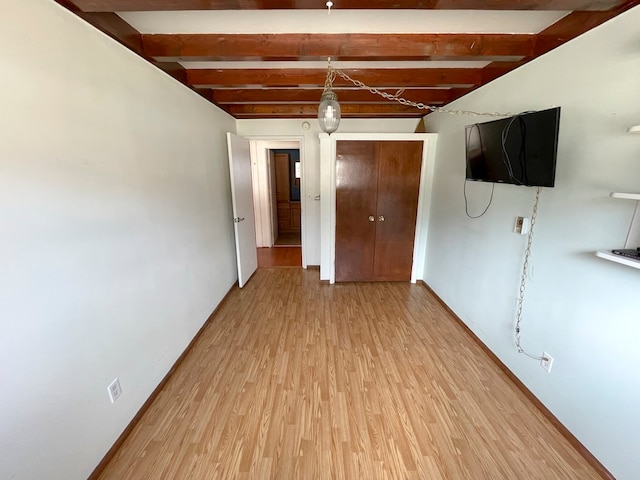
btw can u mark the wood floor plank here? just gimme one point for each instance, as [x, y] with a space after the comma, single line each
[280, 256]
[294, 379]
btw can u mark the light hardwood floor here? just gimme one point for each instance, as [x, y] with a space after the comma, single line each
[280, 257]
[297, 380]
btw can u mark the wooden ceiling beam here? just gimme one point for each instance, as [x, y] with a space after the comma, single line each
[497, 69]
[254, 95]
[303, 46]
[115, 27]
[174, 69]
[69, 5]
[311, 110]
[390, 78]
[169, 5]
[288, 100]
[112, 25]
[574, 24]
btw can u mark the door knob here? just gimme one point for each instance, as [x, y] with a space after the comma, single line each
[372, 218]
[381, 218]
[238, 220]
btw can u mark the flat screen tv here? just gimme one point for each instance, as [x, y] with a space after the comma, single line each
[520, 150]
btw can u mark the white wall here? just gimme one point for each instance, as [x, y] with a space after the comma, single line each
[115, 239]
[581, 309]
[310, 158]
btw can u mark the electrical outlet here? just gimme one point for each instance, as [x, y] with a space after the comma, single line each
[546, 362]
[115, 390]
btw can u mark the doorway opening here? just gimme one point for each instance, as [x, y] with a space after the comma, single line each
[278, 193]
[288, 212]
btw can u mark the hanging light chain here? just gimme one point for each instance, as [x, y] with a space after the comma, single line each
[403, 101]
[523, 278]
[328, 81]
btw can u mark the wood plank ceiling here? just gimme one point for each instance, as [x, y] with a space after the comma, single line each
[268, 58]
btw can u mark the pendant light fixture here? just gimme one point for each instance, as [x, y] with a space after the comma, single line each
[329, 108]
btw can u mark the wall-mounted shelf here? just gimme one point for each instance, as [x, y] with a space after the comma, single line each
[634, 129]
[633, 237]
[628, 196]
[618, 258]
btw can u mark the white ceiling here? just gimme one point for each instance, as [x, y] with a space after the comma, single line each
[344, 65]
[342, 21]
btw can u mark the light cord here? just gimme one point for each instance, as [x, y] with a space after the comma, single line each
[403, 101]
[466, 203]
[523, 280]
[464, 187]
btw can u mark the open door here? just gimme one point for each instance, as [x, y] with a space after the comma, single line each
[242, 201]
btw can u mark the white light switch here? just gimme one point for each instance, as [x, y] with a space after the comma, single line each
[522, 225]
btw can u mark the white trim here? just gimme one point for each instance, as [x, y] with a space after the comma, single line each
[424, 208]
[262, 237]
[328, 197]
[327, 178]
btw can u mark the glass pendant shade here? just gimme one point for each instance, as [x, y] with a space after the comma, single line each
[329, 112]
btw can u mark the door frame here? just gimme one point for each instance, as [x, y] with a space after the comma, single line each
[328, 197]
[283, 142]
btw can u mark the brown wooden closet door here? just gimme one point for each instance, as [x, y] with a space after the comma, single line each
[356, 186]
[381, 180]
[398, 187]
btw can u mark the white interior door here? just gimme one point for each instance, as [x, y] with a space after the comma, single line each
[242, 200]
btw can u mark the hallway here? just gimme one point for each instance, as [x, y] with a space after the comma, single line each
[291, 239]
[280, 257]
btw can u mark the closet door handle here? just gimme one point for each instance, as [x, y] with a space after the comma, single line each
[372, 218]
[381, 218]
